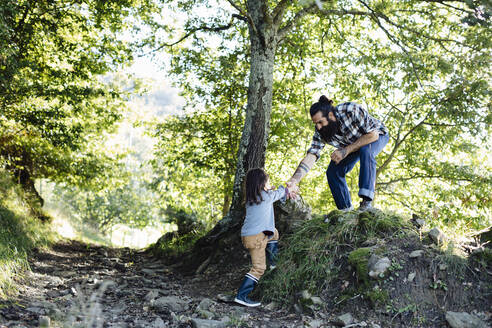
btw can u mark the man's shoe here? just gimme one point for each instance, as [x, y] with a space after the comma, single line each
[365, 205]
[247, 287]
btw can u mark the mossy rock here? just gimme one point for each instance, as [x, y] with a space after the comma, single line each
[334, 216]
[359, 259]
[379, 222]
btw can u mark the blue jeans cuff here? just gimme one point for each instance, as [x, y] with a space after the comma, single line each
[367, 193]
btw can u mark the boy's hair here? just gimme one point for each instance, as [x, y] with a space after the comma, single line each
[256, 180]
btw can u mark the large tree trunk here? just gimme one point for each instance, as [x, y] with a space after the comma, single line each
[254, 138]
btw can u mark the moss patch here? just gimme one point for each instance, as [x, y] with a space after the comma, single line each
[320, 249]
[359, 259]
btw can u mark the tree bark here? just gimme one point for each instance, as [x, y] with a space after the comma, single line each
[254, 139]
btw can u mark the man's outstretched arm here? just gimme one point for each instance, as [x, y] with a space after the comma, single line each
[306, 164]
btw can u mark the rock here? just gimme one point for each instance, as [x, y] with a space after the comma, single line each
[203, 323]
[205, 314]
[148, 271]
[317, 300]
[205, 304]
[298, 308]
[437, 236]
[225, 298]
[417, 221]
[417, 253]
[291, 214]
[316, 323]
[44, 322]
[151, 295]
[411, 276]
[377, 266]
[159, 323]
[344, 320]
[464, 320]
[67, 274]
[305, 294]
[172, 303]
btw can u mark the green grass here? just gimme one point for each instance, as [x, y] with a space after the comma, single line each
[19, 234]
[175, 247]
[314, 255]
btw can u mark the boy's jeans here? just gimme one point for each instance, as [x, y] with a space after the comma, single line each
[367, 176]
[256, 246]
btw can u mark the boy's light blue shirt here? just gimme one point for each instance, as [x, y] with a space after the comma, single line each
[260, 217]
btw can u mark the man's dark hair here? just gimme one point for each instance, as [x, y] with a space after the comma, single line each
[324, 105]
[256, 180]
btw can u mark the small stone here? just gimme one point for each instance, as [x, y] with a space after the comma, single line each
[205, 304]
[437, 236]
[204, 323]
[225, 298]
[172, 303]
[411, 276]
[44, 322]
[417, 253]
[148, 271]
[316, 323]
[159, 323]
[377, 265]
[344, 320]
[298, 308]
[464, 320]
[271, 306]
[205, 314]
[305, 294]
[151, 295]
[443, 267]
[317, 300]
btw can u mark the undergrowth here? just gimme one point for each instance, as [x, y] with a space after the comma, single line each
[317, 251]
[176, 246]
[20, 232]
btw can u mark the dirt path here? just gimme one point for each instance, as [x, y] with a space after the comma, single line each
[76, 285]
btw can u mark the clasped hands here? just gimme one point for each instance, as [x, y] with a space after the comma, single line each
[293, 189]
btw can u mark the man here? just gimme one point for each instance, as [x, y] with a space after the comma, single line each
[356, 135]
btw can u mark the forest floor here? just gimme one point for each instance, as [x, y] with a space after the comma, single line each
[78, 285]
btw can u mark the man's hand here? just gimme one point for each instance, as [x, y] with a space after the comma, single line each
[338, 155]
[293, 189]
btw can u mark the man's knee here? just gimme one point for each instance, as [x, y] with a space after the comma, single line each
[366, 154]
[333, 173]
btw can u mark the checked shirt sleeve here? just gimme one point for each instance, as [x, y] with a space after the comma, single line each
[317, 145]
[361, 120]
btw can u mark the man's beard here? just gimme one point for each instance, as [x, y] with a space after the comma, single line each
[328, 131]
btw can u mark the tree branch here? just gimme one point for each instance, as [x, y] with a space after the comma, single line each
[278, 12]
[290, 24]
[202, 28]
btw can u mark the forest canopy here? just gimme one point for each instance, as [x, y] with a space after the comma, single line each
[422, 67]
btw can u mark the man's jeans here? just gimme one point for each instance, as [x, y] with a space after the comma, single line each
[367, 176]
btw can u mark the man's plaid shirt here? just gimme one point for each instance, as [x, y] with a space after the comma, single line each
[354, 121]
